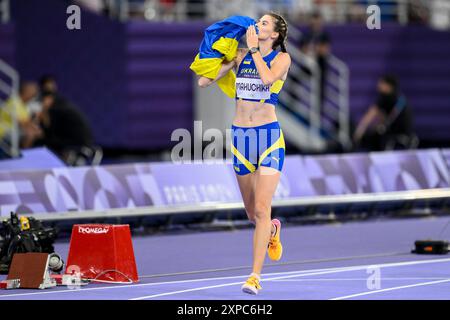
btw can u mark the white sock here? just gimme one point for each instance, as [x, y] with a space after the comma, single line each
[256, 275]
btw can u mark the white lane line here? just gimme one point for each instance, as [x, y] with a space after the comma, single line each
[235, 283]
[162, 283]
[356, 279]
[345, 269]
[391, 289]
[167, 282]
[224, 278]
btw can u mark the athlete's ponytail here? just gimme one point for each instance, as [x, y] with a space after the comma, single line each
[282, 28]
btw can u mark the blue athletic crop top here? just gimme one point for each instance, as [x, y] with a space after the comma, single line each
[249, 85]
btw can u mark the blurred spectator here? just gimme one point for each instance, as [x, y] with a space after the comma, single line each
[93, 5]
[389, 9]
[122, 10]
[218, 10]
[388, 121]
[65, 128]
[29, 131]
[418, 11]
[317, 42]
[316, 35]
[357, 11]
[328, 9]
[47, 83]
[168, 9]
[196, 9]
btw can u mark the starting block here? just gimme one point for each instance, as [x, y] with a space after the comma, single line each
[10, 284]
[29, 271]
[101, 252]
[69, 280]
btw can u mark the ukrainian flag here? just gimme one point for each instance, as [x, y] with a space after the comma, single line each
[220, 42]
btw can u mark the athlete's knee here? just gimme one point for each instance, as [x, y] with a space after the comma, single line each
[250, 211]
[262, 211]
[251, 217]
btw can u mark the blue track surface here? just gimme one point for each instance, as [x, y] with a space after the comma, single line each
[338, 261]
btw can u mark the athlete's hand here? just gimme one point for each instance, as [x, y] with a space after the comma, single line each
[252, 37]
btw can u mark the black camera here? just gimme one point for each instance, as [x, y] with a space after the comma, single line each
[21, 235]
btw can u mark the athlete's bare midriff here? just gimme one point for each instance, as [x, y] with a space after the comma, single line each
[252, 114]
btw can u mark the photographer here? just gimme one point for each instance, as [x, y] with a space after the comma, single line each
[388, 119]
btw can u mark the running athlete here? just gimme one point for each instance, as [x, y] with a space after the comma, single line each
[257, 140]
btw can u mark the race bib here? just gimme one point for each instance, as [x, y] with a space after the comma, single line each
[251, 88]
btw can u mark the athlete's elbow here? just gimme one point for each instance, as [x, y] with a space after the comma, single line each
[204, 82]
[267, 81]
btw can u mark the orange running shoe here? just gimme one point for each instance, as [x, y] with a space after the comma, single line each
[252, 286]
[275, 249]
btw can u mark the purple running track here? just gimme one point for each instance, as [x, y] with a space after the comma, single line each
[337, 261]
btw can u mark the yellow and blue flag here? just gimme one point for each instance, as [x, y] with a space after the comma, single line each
[220, 42]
